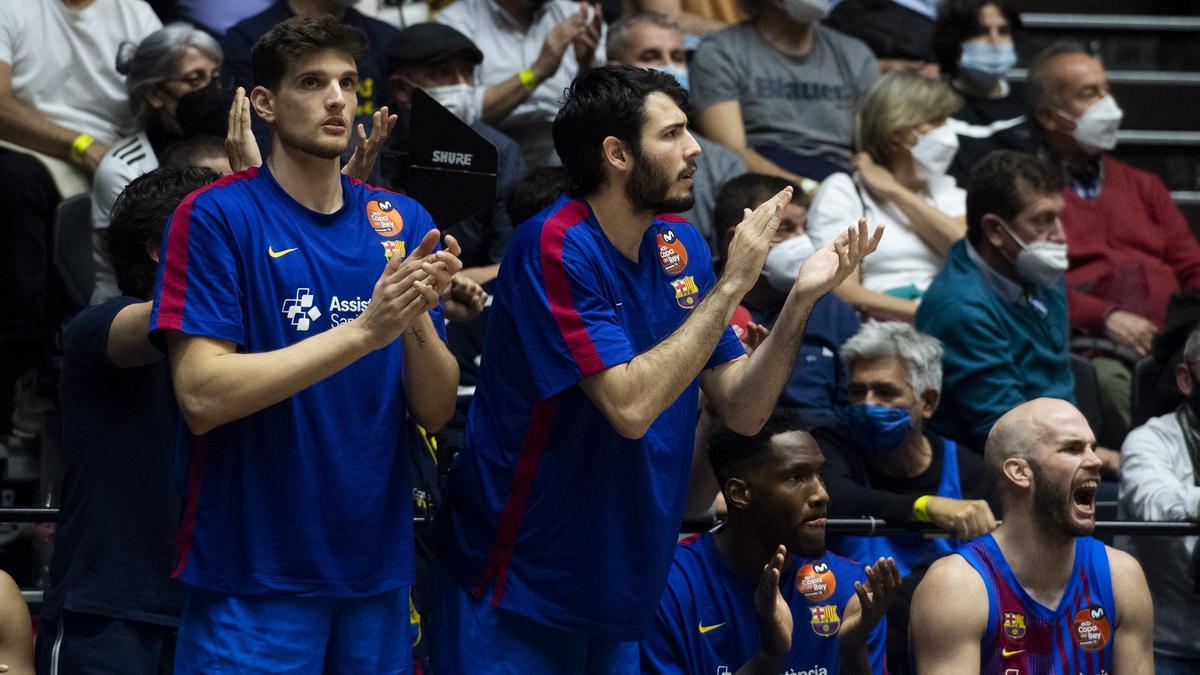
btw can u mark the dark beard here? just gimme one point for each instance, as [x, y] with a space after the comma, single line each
[648, 189]
[1050, 503]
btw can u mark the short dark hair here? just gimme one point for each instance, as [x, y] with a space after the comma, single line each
[602, 102]
[297, 37]
[1002, 184]
[138, 218]
[192, 151]
[958, 21]
[1039, 84]
[730, 452]
[618, 32]
[745, 191]
[537, 190]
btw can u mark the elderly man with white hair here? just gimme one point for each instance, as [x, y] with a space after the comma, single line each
[1160, 480]
[885, 462]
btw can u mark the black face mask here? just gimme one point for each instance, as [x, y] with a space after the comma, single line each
[205, 111]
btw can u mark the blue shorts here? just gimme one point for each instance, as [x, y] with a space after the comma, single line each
[471, 636]
[243, 634]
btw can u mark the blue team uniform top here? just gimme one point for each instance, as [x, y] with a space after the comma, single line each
[549, 512]
[310, 495]
[1022, 635]
[706, 622]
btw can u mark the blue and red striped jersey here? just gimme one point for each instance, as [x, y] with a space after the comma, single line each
[549, 512]
[1024, 636]
[311, 495]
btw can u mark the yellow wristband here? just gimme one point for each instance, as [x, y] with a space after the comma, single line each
[528, 79]
[79, 146]
[921, 509]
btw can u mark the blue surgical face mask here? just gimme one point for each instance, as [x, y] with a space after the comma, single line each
[680, 74]
[876, 430]
[987, 63]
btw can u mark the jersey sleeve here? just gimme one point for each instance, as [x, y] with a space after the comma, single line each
[198, 290]
[568, 324]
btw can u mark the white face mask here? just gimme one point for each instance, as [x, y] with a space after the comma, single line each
[1041, 263]
[784, 261]
[934, 151]
[1096, 128]
[459, 99]
[806, 11]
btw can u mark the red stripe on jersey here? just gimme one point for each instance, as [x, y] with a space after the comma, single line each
[533, 446]
[187, 524]
[671, 218]
[174, 283]
[558, 287]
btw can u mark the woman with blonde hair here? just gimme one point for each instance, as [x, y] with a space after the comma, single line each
[905, 147]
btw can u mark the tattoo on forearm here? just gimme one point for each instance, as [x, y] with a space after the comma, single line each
[416, 333]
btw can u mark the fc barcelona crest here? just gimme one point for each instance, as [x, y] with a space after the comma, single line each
[825, 621]
[1014, 625]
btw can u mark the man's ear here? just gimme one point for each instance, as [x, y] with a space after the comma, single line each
[264, 103]
[152, 251]
[616, 154]
[1018, 471]
[929, 399]
[993, 232]
[737, 493]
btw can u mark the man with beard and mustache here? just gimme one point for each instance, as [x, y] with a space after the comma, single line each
[303, 342]
[806, 609]
[1038, 595]
[561, 514]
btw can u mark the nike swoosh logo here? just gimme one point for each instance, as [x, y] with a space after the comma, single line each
[279, 254]
[704, 629]
[1005, 653]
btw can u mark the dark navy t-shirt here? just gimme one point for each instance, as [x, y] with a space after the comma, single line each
[550, 513]
[115, 545]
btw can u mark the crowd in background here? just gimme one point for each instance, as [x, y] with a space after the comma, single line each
[1020, 259]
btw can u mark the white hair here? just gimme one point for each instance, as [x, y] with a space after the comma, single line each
[920, 354]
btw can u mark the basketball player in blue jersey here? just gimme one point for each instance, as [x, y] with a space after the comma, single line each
[1037, 596]
[561, 515]
[807, 610]
[301, 314]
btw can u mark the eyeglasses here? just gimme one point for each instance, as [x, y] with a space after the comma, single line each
[197, 78]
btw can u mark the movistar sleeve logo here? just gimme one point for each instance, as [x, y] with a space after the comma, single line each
[279, 254]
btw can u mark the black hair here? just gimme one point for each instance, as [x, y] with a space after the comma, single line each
[746, 191]
[958, 21]
[297, 37]
[730, 452]
[138, 218]
[1002, 184]
[191, 151]
[537, 190]
[603, 102]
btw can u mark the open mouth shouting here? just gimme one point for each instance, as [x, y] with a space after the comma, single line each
[1083, 497]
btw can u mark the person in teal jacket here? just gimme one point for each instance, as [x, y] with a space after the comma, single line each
[999, 305]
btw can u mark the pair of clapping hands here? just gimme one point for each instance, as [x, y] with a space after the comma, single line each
[465, 298]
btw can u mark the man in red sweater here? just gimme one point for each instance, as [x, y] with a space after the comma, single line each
[1129, 246]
